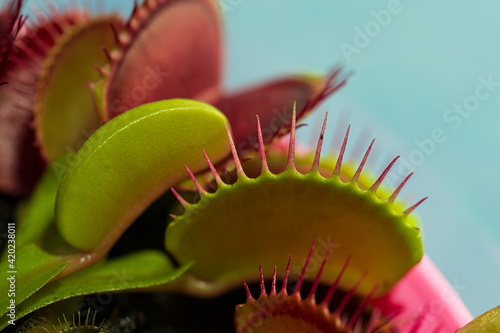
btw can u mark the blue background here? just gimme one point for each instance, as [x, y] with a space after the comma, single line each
[415, 68]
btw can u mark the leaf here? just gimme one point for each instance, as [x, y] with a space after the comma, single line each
[33, 269]
[38, 213]
[168, 49]
[128, 163]
[138, 270]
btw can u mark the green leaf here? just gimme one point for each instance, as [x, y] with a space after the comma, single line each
[129, 162]
[33, 269]
[38, 214]
[138, 270]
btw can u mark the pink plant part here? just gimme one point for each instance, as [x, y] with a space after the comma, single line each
[425, 299]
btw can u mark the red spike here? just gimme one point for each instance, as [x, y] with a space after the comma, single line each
[285, 278]
[183, 202]
[354, 318]
[355, 178]
[273, 285]
[173, 216]
[262, 286]
[52, 27]
[237, 162]
[312, 292]
[107, 53]
[101, 71]
[263, 160]
[348, 297]
[290, 164]
[400, 187]
[412, 208]
[331, 85]
[132, 14]
[319, 146]
[218, 180]
[296, 291]
[90, 86]
[115, 33]
[380, 179]
[328, 297]
[249, 294]
[21, 21]
[195, 181]
[374, 319]
[338, 165]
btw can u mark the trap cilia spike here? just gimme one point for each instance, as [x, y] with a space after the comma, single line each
[283, 312]
[142, 52]
[78, 324]
[258, 220]
[46, 107]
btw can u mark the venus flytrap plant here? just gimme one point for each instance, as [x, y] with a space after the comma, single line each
[268, 208]
[166, 134]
